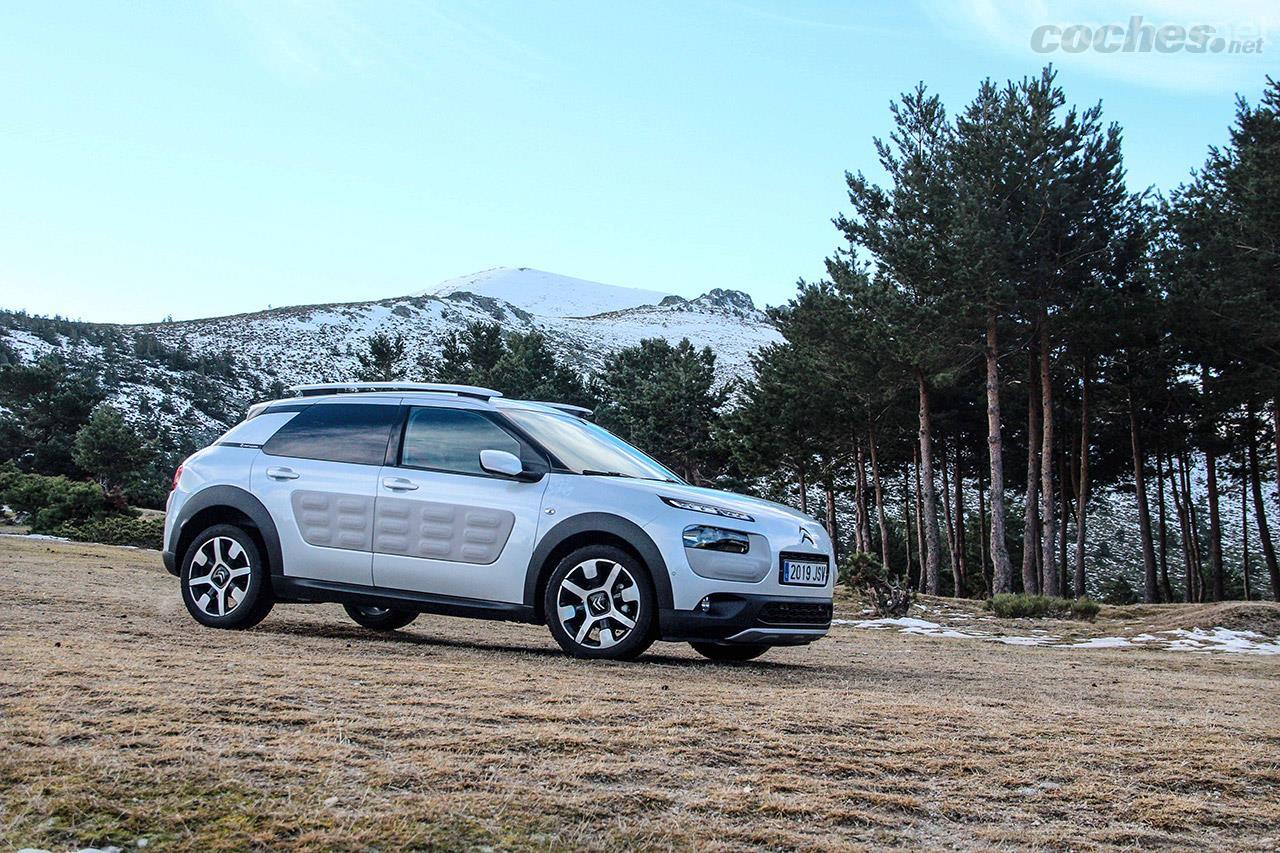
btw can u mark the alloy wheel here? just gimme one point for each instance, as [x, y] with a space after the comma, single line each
[223, 582]
[598, 603]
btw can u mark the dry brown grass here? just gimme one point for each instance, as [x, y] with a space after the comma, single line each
[121, 718]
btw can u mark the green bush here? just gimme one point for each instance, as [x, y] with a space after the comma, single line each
[117, 530]
[1010, 605]
[1084, 609]
[47, 503]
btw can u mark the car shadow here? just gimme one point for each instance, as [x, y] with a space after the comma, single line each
[410, 637]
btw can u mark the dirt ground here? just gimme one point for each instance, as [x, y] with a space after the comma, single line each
[121, 719]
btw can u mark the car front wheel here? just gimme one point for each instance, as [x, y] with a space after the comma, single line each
[599, 603]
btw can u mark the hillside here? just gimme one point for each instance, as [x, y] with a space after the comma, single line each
[200, 374]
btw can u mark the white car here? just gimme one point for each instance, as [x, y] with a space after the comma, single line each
[395, 499]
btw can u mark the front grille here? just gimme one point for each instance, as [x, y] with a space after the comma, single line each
[796, 613]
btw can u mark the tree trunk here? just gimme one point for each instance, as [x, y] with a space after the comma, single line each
[1215, 528]
[1197, 549]
[946, 507]
[962, 568]
[1082, 484]
[1031, 512]
[878, 491]
[984, 544]
[930, 500]
[1063, 512]
[804, 492]
[1260, 513]
[1001, 568]
[1150, 593]
[921, 552]
[1048, 512]
[860, 537]
[906, 524]
[829, 490]
[1184, 528]
[1275, 424]
[1166, 591]
[1244, 535]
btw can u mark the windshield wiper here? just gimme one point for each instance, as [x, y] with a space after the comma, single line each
[591, 473]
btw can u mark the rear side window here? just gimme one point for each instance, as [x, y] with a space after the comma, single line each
[337, 432]
[451, 440]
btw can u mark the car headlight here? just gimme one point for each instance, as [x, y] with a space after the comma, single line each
[711, 509]
[707, 538]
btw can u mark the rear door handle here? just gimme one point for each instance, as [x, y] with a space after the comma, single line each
[277, 472]
[399, 484]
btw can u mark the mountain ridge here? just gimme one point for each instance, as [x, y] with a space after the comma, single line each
[268, 349]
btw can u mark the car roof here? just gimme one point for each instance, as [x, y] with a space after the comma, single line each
[394, 393]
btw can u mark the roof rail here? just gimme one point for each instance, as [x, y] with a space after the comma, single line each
[580, 411]
[356, 387]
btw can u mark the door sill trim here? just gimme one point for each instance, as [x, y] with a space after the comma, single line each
[305, 590]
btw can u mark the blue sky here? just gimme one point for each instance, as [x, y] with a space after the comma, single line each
[202, 158]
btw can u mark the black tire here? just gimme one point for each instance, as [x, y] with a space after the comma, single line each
[235, 603]
[631, 600]
[730, 652]
[379, 618]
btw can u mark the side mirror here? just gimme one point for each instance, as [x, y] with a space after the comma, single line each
[501, 462]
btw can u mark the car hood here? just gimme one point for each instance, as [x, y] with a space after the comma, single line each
[757, 507]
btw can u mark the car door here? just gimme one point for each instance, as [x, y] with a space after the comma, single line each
[445, 526]
[318, 477]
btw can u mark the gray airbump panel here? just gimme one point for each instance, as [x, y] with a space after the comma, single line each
[441, 531]
[334, 520]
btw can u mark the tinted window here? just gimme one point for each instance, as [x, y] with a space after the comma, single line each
[451, 440]
[337, 432]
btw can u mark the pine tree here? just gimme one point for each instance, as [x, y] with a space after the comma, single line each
[903, 227]
[42, 405]
[383, 358]
[664, 400]
[111, 452]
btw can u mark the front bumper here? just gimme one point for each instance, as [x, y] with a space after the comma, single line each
[775, 620]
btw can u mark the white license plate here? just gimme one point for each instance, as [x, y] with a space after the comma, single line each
[804, 572]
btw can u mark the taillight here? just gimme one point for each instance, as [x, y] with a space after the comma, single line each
[177, 475]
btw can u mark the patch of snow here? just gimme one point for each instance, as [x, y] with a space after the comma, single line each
[43, 536]
[548, 294]
[1217, 640]
[1224, 640]
[1103, 643]
[1026, 641]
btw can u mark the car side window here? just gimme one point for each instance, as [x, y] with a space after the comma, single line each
[451, 440]
[337, 432]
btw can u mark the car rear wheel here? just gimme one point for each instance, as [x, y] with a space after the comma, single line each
[730, 652]
[599, 603]
[380, 618]
[225, 583]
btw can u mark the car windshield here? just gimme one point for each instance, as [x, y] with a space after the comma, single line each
[585, 448]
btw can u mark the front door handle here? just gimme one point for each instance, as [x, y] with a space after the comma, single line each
[399, 484]
[277, 472]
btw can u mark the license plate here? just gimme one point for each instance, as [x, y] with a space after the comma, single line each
[805, 572]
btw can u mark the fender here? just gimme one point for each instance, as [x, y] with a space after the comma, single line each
[600, 522]
[235, 498]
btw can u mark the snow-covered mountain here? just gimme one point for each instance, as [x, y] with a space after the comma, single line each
[547, 294]
[252, 354]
